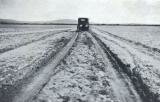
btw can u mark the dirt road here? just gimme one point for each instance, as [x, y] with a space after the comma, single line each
[90, 69]
[86, 74]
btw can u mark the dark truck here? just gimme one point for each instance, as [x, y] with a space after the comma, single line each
[83, 24]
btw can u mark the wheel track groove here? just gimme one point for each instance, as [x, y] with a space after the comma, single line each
[32, 41]
[108, 59]
[151, 51]
[142, 89]
[30, 90]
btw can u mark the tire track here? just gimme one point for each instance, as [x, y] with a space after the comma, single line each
[121, 83]
[28, 32]
[153, 52]
[114, 42]
[129, 52]
[28, 91]
[82, 78]
[143, 89]
[32, 41]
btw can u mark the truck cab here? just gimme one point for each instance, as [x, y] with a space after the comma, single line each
[83, 24]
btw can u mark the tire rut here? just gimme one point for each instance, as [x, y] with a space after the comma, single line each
[33, 84]
[153, 52]
[24, 44]
[136, 63]
[126, 82]
[83, 78]
[142, 89]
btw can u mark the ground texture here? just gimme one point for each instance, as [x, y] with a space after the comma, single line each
[58, 64]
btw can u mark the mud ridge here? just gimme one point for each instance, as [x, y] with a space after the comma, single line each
[148, 48]
[63, 60]
[28, 91]
[7, 92]
[18, 46]
[141, 88]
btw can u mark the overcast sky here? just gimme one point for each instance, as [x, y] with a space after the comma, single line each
[102, 11]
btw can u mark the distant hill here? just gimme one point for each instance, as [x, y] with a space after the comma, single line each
[61, 21]
[4, 21]
[67, 22]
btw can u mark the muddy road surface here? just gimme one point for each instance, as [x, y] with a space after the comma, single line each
[93, 66]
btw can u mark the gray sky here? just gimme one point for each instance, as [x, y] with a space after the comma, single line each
[102, 11]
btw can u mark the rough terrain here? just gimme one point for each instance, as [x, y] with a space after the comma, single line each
[62, 65]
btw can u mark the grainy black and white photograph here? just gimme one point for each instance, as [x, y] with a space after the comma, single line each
[79, 50]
